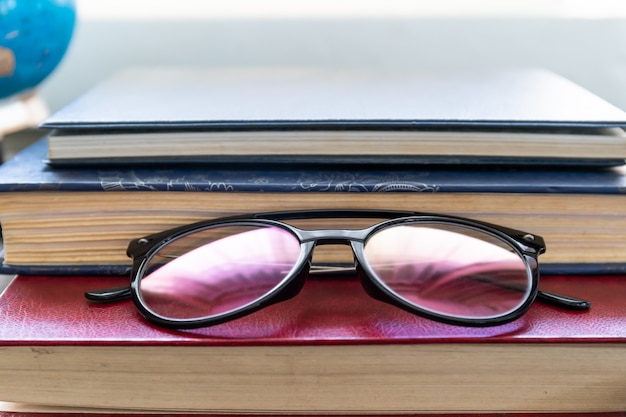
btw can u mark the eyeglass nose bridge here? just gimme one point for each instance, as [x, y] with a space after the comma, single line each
[333, 236]
[352, 238]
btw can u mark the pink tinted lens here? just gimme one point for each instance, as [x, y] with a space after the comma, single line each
[449, 270]
[209, 273]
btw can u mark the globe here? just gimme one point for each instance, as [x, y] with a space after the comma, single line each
[34, 36]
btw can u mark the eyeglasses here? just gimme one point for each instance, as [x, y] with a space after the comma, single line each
[454, 270]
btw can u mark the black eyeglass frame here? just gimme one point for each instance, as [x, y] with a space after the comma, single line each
[527, 246]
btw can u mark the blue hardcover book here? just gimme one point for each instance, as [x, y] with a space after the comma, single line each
[81, 220]
[321, 116]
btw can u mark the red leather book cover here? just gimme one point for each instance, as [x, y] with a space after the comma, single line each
[52, 311]
[330, 350]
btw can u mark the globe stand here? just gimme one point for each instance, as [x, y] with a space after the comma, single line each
[24, 111]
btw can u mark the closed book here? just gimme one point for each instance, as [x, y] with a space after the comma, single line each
[8, 409]
[64, 221]
[330, 349]
[315, 115]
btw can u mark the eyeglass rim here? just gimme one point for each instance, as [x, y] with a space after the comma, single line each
[527, 242]
[142, 250]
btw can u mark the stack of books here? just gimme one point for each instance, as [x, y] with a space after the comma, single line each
[152, 149]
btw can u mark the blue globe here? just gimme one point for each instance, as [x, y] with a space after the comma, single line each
[34, 35]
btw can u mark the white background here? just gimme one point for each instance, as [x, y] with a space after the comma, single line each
[582, 40]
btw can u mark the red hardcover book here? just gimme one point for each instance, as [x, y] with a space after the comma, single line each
[331, 349]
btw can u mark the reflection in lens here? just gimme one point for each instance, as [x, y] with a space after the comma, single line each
[450, 270]
[217, 270]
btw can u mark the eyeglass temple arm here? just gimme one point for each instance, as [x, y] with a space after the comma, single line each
[108, 295]
[546, 297]
[563, 301]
